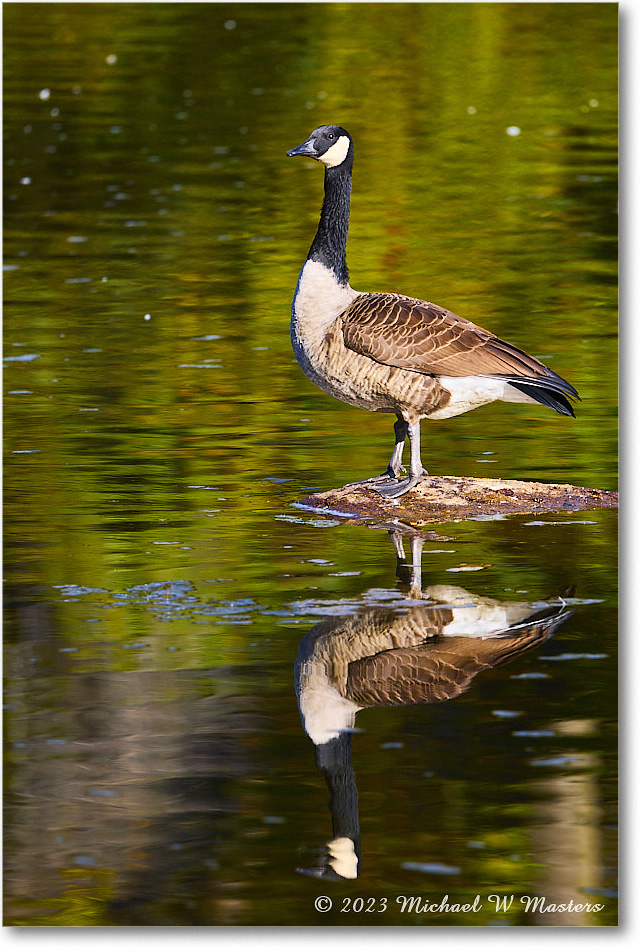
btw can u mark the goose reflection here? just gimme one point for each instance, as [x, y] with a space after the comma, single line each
[380, 656]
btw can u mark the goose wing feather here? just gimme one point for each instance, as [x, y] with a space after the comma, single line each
[441, 669]
[413, 334]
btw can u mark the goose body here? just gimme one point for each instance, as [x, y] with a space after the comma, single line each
[386, 352]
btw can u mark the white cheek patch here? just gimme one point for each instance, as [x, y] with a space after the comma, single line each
[336, 153]
[343, 858]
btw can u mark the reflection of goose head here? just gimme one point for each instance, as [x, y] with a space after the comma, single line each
[340, 857]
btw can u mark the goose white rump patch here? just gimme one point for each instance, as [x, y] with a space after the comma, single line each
[469, 392]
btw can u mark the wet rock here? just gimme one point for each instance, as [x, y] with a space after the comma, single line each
[451, 498]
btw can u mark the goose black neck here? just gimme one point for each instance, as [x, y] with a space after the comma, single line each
[329, 245]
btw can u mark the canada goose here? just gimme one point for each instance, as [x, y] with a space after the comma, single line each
[390, 353]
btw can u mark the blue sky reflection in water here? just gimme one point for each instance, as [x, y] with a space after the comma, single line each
[159, 583]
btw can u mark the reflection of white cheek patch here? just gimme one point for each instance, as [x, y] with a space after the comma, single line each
[337, 152]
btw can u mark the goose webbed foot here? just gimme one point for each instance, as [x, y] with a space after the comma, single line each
[394, 488]
[389, 485]
[388, 476]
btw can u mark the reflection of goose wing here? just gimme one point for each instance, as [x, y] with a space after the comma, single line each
[440, 669]
[336, 641]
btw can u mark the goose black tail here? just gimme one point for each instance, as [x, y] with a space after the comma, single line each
[551, 392]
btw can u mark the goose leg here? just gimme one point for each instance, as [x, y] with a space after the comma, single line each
[401, 486]
[416, 546]
[409, 575]
[394, 465]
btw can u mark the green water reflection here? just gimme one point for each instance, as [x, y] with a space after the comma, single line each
[158, 430]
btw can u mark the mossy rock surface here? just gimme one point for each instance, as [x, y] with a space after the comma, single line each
[445, 498]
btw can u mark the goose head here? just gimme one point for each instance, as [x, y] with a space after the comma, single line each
[329, 144]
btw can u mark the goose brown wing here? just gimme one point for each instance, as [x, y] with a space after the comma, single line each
[438, 670]
[409, 676]
[416, 335]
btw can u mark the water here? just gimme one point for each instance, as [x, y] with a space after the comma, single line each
[159, 581]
